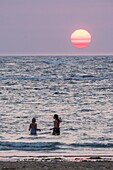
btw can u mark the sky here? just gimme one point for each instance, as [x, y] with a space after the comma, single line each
[44, 27]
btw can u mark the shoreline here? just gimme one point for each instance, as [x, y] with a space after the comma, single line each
[57, 161]
[50, 158]
[13, 155]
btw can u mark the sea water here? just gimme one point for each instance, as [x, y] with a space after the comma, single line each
[77, 88]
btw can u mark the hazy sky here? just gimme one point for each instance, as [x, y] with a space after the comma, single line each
[44, 26]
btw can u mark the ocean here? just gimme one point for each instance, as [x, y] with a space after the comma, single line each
[77, 88]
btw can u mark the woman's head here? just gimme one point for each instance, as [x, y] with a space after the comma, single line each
[55, 116]
[33, 120]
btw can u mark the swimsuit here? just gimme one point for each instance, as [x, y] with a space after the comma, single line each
[56, 131]
[33, 131]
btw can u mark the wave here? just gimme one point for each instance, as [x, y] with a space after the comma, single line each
[92, 145]
[29, 78]
[50, 146]
[85, 77]
[25, 146]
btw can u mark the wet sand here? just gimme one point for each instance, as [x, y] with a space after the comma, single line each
[56, 165]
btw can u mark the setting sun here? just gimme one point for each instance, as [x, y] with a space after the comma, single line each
[80, 38]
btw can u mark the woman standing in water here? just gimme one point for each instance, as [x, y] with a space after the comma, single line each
[56, 128]
[33, 127]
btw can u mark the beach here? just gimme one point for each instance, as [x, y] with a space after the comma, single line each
[56, 165]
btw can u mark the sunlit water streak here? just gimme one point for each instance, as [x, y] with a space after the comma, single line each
[78, 89]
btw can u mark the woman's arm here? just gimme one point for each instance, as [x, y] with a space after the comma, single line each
[37, 128]
[29, 126]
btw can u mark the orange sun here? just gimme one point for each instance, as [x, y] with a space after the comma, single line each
[80, 38]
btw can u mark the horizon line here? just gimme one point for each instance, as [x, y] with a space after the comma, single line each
[41, 55]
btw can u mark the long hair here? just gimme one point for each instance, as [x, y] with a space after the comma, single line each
[33, 120]
[57, 118]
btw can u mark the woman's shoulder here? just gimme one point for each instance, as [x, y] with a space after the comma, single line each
[33, 124]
